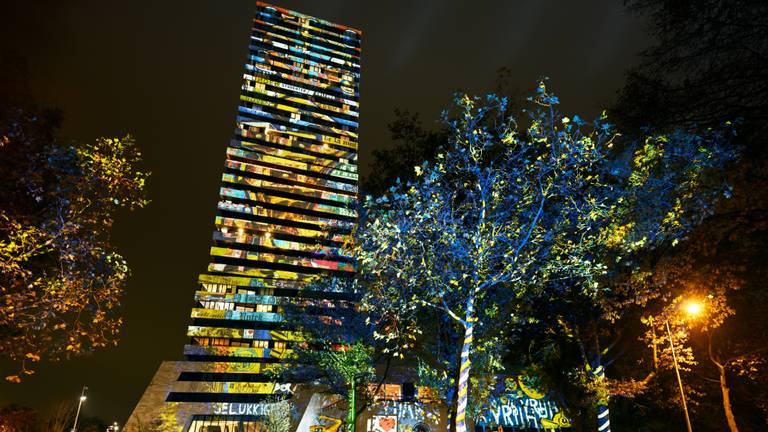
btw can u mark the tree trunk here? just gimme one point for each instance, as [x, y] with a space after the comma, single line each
[603, 418]
[655, 351]
[603, 413]
[464, 368]
[451, 397]
[727, 400]
[352, 413]
[729, 417]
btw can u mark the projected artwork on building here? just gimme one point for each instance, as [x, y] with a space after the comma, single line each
[285, 211]
[288, 192]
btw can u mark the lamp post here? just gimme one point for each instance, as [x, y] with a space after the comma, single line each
[679, 380]
[79, 405]
[692, 308]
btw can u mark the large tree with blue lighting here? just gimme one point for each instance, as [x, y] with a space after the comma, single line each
[498, 216]
[506, 214]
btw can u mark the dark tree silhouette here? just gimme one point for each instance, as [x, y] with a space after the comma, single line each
[708, 67]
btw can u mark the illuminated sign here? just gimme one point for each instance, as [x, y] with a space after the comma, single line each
[255, 409]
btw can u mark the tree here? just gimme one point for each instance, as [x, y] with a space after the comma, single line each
[496, 218]
[706, 68]
[279, 416]
[336, 348]
[504, 220]
[413, 145]
[660, 190]
[353, 364]
[712, 338]
[60, 417]
[17, 419]
[92, 424]
[438, 361]
[61, 278]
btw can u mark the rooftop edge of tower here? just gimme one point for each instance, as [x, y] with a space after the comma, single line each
[301, 15]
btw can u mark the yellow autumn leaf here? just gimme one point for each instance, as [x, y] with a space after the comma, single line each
[13, 378]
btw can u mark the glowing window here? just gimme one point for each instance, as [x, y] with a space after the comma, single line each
[219, 341]
[263, 308]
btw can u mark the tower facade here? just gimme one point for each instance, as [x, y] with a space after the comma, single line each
[286, 207]
[289, 187]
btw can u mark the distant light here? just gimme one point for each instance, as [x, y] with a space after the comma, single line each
[224, 230]
[82, 398]
[267, 235]
[240, 230]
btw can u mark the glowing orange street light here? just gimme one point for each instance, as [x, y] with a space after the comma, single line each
[693, 308]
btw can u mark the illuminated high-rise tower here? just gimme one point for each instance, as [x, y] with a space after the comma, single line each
[285, 209]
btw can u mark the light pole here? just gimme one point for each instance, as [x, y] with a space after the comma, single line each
[692, 308]
[679, 380]
[79, 405]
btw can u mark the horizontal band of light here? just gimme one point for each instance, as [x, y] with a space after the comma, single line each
[332, 168]
[299, 190]
[262, 197]
[305, 33]
[234, 333]
[351, 60]
[261, 70]
[299, 100]
[282, 259]
[243, 298]
[296, 89]
[290, 176]
[242, 270]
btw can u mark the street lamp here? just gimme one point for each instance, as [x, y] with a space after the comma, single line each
[79, 405]
[692, 308]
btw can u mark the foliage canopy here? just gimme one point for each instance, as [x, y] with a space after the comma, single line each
[61, 278]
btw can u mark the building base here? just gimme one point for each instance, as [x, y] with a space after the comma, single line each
[312, 409]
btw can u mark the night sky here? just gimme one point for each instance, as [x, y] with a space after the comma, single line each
[168, 72]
